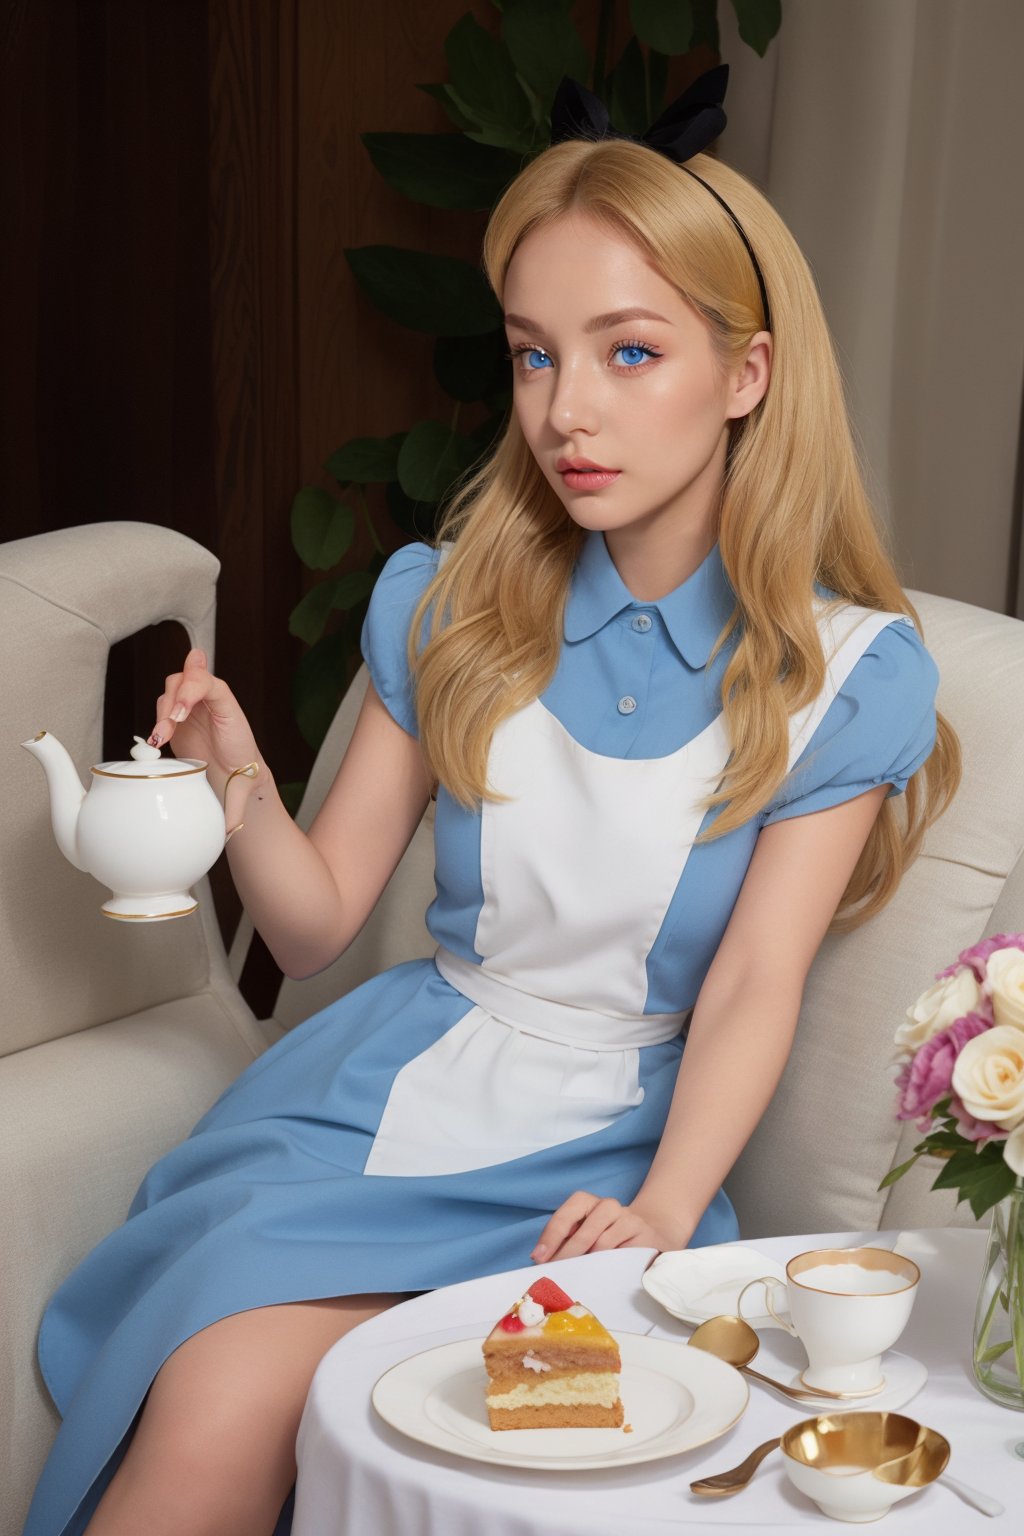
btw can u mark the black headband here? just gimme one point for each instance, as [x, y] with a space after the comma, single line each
[689, 125]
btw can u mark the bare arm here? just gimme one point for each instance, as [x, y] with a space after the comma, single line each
[741, 1032]
[307, 894]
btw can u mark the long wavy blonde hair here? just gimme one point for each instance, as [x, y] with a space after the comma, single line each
[794, 510]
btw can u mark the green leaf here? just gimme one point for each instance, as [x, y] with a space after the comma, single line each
[437, 294]
[657, 74]
[432, 458]
[322, 528]
[351, 589]
[961, 1172]
[444, 170]
[472, 367]
[366, 460]
[307, 619]
[484, 435]
[897, 1173]
[628, 106]
[996, 1183]
[416, 519]
[443, 94]
[705, 25]
[759, 20]
[483, 79]
[544, 45]
[666, 25]
[318, 686]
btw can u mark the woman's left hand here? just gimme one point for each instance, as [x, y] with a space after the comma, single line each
[586, 1223]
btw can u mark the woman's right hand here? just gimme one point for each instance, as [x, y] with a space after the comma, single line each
[200, 717]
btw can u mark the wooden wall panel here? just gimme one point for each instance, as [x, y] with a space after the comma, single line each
[183, 340]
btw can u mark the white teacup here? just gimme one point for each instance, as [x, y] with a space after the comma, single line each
[848, 1306]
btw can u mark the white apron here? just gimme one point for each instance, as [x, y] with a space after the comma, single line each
[578, 868]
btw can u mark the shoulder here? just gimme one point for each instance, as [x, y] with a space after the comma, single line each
[894, 669]
[876, 722]
[384, 640]
[406, 573]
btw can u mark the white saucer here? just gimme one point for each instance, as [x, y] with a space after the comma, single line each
[675, 1398]
[784, 1357]
[697, 1283]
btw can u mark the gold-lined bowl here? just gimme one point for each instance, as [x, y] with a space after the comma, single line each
[856, 1465]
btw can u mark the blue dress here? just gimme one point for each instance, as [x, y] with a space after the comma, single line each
[420, 1130]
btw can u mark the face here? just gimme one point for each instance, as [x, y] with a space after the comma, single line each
[616, 387]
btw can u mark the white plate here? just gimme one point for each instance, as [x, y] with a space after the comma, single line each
[697, 1283]
[674, 1397]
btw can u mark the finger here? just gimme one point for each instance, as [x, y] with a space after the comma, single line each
[628, 1232]
[198, 686]
[601, 1217]
[565, 1220]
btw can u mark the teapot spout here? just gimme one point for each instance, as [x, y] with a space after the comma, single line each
[66, 792]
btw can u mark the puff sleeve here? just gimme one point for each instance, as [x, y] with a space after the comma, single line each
[878, 729]
[385, 632]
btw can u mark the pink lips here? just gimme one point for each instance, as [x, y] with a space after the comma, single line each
[585, 475]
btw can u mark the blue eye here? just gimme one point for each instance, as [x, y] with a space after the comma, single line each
[632, 355]
[535, 359]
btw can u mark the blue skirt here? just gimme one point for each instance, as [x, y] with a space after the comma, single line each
[267, 1202]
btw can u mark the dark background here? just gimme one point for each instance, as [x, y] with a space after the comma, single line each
[183, 342]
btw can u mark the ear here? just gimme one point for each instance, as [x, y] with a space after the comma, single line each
[751, 381]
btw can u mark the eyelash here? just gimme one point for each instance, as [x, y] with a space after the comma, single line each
[640, 346]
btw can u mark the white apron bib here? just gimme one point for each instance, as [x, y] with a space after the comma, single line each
[578, 868]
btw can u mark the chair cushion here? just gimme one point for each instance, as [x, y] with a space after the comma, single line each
[829, 1136]
[81, 1121]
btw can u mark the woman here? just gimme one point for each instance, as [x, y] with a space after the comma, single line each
[667, 686]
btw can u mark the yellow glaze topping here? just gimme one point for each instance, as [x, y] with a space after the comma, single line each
[564, 1325]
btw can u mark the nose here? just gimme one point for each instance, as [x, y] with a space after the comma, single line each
[574, 404]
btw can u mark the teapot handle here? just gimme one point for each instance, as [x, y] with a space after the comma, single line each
[250, 770]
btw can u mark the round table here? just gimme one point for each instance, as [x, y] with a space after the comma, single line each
[357, 1475]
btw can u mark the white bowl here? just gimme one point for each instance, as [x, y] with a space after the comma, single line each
[857, 1465]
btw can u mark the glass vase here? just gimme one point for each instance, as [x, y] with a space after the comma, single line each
[999, 1319]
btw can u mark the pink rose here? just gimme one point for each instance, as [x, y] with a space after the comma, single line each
[972, 1129]
[928, 1076]
[978, 954]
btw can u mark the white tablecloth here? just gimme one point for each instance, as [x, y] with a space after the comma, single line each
[358, 1477]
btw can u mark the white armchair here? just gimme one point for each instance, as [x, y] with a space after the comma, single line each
[116, 1038]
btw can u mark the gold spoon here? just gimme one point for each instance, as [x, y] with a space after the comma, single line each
[722, 1483]
[733, 1340]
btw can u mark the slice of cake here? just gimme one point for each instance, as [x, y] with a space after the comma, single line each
[552, 1365]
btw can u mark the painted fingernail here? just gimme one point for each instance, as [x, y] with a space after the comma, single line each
[179, 714]
[156, 740]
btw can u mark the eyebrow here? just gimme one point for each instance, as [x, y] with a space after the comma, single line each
[598, 323]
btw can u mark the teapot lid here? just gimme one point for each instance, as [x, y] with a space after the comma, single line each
[146, 763]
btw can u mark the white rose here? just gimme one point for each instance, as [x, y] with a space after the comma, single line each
[1013, 1150]
[949, 999]
[1004, 980]
[988, 1076]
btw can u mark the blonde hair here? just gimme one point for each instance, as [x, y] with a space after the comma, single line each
[794, 510]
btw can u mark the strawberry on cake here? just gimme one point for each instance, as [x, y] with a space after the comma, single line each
[552, 1365]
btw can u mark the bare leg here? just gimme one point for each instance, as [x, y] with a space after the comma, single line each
[213, 1453]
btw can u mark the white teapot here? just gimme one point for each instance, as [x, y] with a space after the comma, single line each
[148, 828]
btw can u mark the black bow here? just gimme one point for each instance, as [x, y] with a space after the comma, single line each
[689, 125]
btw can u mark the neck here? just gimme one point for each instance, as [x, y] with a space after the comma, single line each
[661, 550]
[653, 561]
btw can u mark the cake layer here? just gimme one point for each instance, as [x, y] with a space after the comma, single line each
[594, 1387]
[562, 1357]
[557, 1416]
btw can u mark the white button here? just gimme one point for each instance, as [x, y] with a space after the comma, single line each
[642, 623]
[627, 704]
